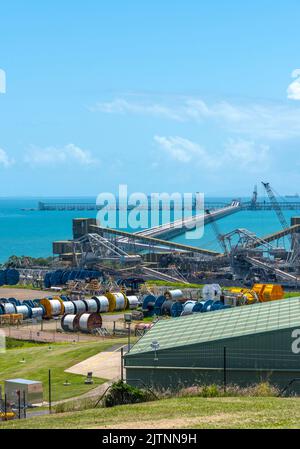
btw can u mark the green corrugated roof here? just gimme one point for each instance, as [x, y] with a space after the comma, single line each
[218, 325]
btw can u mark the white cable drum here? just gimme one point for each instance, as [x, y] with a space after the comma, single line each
[89, 321]
[80, 306]
[188, 308]
[55, 305]
[9, 308]
[69, 307]
[120, 301]
[67, 322]
[133, 301]
[83, 321]
[37, 312]
[174, 295]
[23, 310]
[92, 305]
[211, 291]
[104, 303]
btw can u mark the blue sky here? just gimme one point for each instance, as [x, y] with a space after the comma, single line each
[162, 96]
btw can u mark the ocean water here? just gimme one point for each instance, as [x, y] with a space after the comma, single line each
[31, 233]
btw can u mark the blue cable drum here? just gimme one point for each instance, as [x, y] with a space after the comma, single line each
[2, 277]
[55, 277]
[149, 304]
[65, 276]
[198, 307]
[176, 309]
[158, 304]
[24, 310]
[12, 276]
[207, 305]
[217, 305]
[47, 282]
[14, 301]
[188, 307]
[166, 307]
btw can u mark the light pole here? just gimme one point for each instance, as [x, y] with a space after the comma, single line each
[155, 346]
[128, 320]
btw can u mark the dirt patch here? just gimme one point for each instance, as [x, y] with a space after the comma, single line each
[22, 294]
[180, 423]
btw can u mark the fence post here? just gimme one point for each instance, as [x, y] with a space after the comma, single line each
[5, 407]
[49, 385]
[224, 369]
[19, 402]
[122, 373]
[24, 403]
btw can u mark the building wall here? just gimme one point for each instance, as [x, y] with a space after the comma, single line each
[249, 359]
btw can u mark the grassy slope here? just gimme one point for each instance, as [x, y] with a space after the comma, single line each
[187, 412]
[38, 360]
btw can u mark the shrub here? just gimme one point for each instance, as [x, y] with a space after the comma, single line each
[262, 389]
[122, 393]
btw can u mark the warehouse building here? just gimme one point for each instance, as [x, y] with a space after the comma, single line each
[242, 346]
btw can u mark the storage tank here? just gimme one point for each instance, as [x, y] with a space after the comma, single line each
[89, 321]
[103, 303]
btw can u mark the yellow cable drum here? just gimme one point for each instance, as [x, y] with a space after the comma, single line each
[53, 307]
[117, 301]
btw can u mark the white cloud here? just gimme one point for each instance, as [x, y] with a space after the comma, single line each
[293, 90]
[273, 121]
[247, 154]
[122, 106]
[5, 160]
[53, 155]
[183, 150]
[235, 154]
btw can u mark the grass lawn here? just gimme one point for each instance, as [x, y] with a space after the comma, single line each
[172, 284]
[184, 412]
[39, 359]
